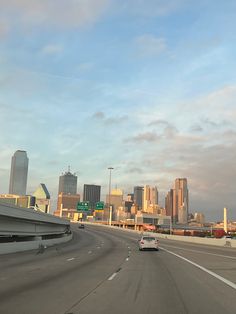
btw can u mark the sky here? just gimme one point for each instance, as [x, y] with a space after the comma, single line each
[145, 86]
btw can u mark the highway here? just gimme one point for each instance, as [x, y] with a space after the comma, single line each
[102, 271]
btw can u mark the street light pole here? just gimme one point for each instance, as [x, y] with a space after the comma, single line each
[109, 196]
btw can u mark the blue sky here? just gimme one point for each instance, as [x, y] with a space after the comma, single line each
[147, 87]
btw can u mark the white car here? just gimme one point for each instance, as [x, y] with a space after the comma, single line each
[148, 242]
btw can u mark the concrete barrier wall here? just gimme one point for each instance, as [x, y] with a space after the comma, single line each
[28, 222]
[13, 247]
[198, 240]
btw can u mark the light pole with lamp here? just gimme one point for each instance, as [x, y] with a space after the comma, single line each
[109, 196]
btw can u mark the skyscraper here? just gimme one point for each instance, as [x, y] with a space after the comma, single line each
[19, 173]
[169, 203]
[68, 183]
[138, 196]
[180, 200]
[150, 197]
[92, 194]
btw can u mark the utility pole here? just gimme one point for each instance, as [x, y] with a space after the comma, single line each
[109, 196]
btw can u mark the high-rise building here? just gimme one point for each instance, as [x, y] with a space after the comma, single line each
[150, 197]
[138, 196]
[68, 183]
[66, 201]
[180, 200]
[42, 197]
[92, 194]
[116, 199]
[169, 203]
[19, 173]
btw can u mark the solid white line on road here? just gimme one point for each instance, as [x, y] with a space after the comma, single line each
[226, 281]
[112, 276]
[70, 259]
[197, 251]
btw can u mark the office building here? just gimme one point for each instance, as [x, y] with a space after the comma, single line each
[180, 200]
[68, 201]
[169, 203]
[19, 173]
[68, 183]
[42, 198]
[138, 196]
[26, 201]
[92, 194]
[150, 197]
[116, 199]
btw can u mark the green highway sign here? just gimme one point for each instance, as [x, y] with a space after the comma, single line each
[99, 205]
[83, 206]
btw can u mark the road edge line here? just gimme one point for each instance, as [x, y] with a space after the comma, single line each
[226, 281]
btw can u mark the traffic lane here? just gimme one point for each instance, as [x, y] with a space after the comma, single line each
[56, 290]
[157, 282]
[221, 250]
[17, 263]
[15, 259]
[220, 260]
[222, 265]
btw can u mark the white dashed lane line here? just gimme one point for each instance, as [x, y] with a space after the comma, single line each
[70, 259]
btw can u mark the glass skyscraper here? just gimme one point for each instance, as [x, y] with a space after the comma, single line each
[92, 194]
[19, 173]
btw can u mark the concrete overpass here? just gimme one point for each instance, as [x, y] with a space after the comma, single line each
[24, 228]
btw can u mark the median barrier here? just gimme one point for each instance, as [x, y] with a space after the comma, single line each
[198, 240]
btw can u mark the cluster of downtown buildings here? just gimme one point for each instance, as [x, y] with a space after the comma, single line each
[142, 203]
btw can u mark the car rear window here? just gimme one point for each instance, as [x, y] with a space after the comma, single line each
[149, 238]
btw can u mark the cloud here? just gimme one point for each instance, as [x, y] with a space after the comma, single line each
[52, 49]
[149, 46]
[60, 13]
[86, 66]
[4, 29]
[151, 8]
[159, 122]
[99, 115]
[109, 120]
[144, 137]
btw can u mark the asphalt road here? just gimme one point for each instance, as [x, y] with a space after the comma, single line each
[102, 271]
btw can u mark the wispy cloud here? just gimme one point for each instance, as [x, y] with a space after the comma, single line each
[99, 115]
[149, 45]
[4, 29]
[52, 49]
[60, 13]
[151, 8]
[144, 137]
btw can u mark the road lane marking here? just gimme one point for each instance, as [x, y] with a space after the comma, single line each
[127, 259]
[70, 259]
[89, 252]
[226, 281]
[197, 251]
[112, 276]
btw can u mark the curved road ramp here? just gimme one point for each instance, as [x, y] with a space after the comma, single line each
[23, 229]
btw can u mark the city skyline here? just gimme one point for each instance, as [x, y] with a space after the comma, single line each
[68, 183]
[147, 87]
